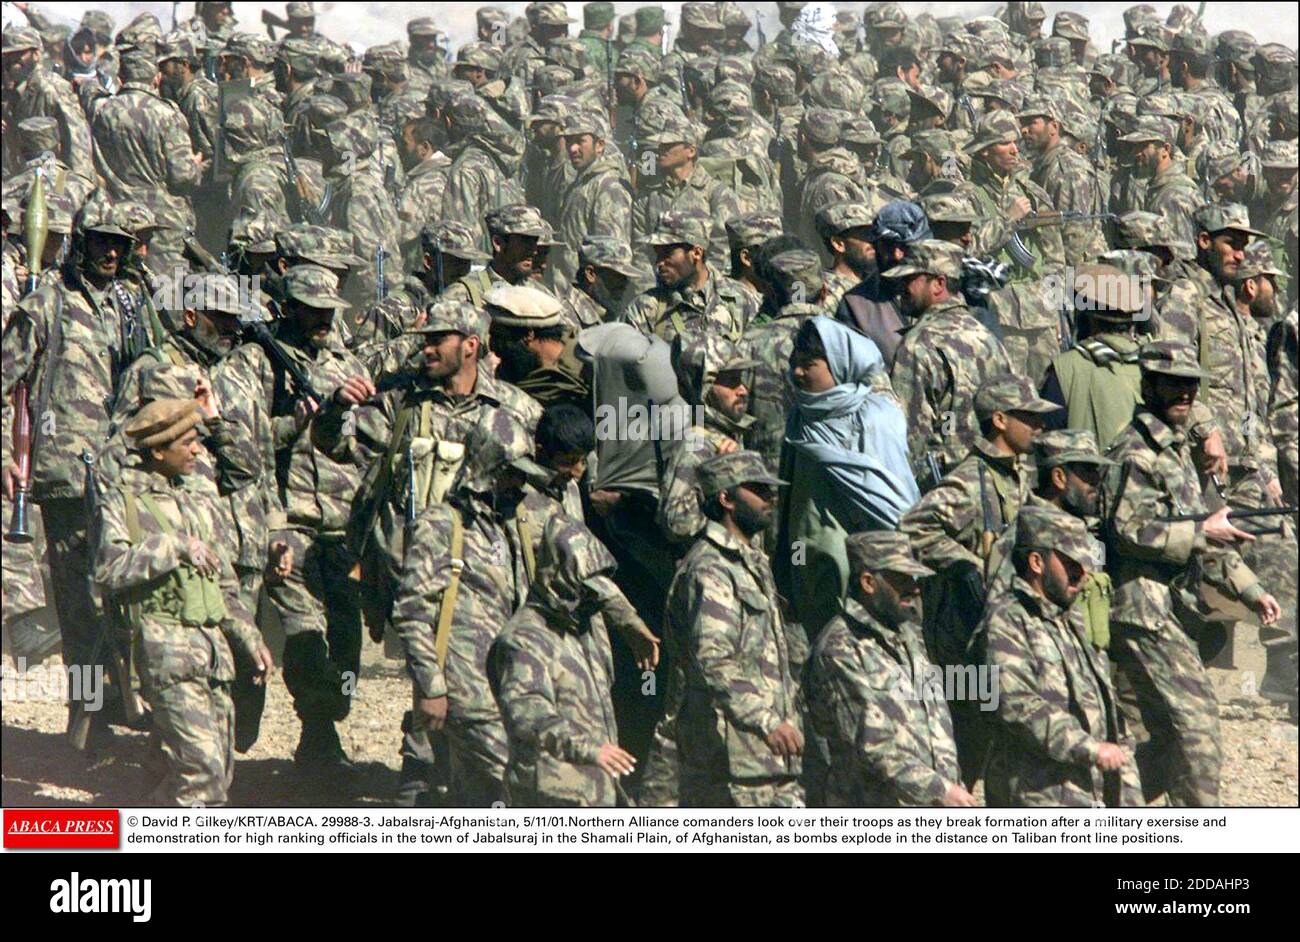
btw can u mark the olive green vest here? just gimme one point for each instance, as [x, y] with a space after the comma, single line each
[185, 595]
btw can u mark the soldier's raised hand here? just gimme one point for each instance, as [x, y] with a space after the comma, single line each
[615, 761]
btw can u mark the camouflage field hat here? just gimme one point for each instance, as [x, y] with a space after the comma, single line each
[497, 441]
[38, 134]
[1258, 261]
[1150, 37]
[610, 253]
[554, 108]
[1068, 446]
[949, 207]
[319, 245]
[99, 23]
[314, 286]
[1275, 63]
[1238, 47]
[883, 551]
[834, 218]
[1039, 106]
[891, 97]
[443, 317]
[468, 112]
[1172, 358]
[777, 78]
[137, 62]
[702, 16]
[597, 15]
[136, 218]
[674, 128]
[996, 127]
[423, 26]
[637, 61]
[1216, 217]
[216, 293]
[176, 45]
[753, 229]
[586, 121]
[836, 89]
[1117, 68]
[516, 219]
[1069, 25]
[1007, 392]
[649, 20]
[250, 46]
[681, 227]
[1279, 155]
[796, 267]
[821, 126]
[928, 102]
[455, 239]
[1047, 528]
[300, 10]
[1138, 229]
[162, 421]
[935, 143]
[522, 306]
[1150, 128]
[698, 359]
[97, 215]
[548, 14]
[482, 55]
[929, 257]
[253, 234]
[1191, 43]
[717, 474]
[859, 129]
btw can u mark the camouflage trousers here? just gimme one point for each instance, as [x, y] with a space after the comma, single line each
[71, 559]
[1168, 704]
[183, 674]
[707, 792]
[659, 776]
[249, 698]
[478, 752]
[320, 608]
[30, 624]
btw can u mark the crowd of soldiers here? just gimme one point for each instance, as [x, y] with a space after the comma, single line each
[985, 339]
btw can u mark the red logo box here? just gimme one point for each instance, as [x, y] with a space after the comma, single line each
[61, 827]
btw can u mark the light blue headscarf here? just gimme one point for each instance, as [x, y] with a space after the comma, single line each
[858, 435]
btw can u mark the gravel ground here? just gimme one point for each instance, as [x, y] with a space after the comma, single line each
[1260, 759]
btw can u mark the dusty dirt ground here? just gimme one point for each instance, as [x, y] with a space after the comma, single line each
[1260, 758]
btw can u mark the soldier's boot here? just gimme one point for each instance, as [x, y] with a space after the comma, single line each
[415, 781]
[1280, 674]
[319, 750]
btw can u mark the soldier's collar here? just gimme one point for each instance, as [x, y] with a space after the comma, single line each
[1161, 432]
[1035, 601]
[995, 457]
[862, 623]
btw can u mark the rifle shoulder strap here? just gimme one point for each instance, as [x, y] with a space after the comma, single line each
[447, 607]
[524, 528]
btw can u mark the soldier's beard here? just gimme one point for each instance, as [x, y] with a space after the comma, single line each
[1078, 501]
[517, 361]
[1265, 309]
[605, 298]
[426, 57]
[1057, 589]
[751, 520]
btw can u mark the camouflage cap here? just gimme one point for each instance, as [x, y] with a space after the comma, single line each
[1275, 63]
[516, 219]
[1069, 25]
[736, 69]
[778, 79]
[99, 23]
[586, 121]
[698, 359]
[932, 99]
[1115, 67]
[1150, 128]
[1040, 527]
[995, 127]
[1238, 47]
[1138, 17]
[950, 207]
[522, 306]
[554, 108]
[137, 62]
[935, 143]
[649, 20]
[97, 215]
[883, 551]
[734, 16]
[681, 227]
[703, 16]
[314, 286]
[1258, 261]
[570, 52]
[597, 15]
[423, 26]
[717, 474]
[961, 44]
[674, 128]
[177, 44]
[1107, 289]
[610, 253]
[1191, 43]
[1162, 104]
[1279, 155]
[1009, 91]
[821, 126]
[836, 89]
[1284, 108]
[388, 59]
[1039, 106]
[1216, 217]
[467, 112]
[891, 97]
[1149, 37]
[455, 317]
[883, 16]
[491, 16]
[1137, 229]
[837, 217]
[1067, 446]
[353, 89]
[455, 239]
[216, 294]
[1007, 392]
[38, 134]
[250, 46]
[299, 10]
[859, 129]
[254, 234]
[548, 14]
[795, 267]
[162, 421]
[136, 218]
[1171, 358]
[929, 257]
[753, 229]
[319, 245]
[497, 441]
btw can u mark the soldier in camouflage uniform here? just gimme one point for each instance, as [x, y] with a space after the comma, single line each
[40, 148]
[547, 21]
[681, 185]
[1059, 738]
[690, 294]
[954, 526]
[737, 724]
[555, 671]
[481, 176]
[426, 168]
[251, 148]
[944, 357]
[1190, 60]
[844, 229]
[1169, 192]
[888, 732]
[598, 201]
[829, 175]
[1282, 403]
[34, 91]
[744, 236]
[605, 268]
[1065, 176]
[597, 36]
[514, 233]
[143, 152]
[426, 60]
[1164, 689]
[160, 557]
[1278, 212]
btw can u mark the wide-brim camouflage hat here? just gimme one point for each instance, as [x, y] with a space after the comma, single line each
[884, 551]
[1218, 217]
[717, 474]
[314, 286]
[1172, 358]
[1044, 527]
[162, 421]
[1007, 392]
[1064, 446]
[452, 317]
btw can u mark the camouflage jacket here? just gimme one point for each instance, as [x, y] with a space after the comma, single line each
[1224, 123]
[699, 191]
[1072, 185]
[176, 641]
[830, 177]
[837, 285]
[364, 209]
[940, 363]
[142, 151]
[1055, 703]
[556, 674]
[478, 180]
[1201, 312]
[259, 190]
[994, 194]
[1159, 479]
[723, 615]
[1175, 196]
[721, 305]
[680, 516]
[890, 737]
[771, 396]
[42, 95]
[198, 103]
[420, 203]
[1282, 404]
[598, 202]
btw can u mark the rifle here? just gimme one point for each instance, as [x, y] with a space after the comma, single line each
[936, 471]
[262, 335]
[193, 252]
[1245, 513]
[381, 283]
[989, 529]
[300, 195]
[964, 100]
[175, 8]
[20, 530]
[410, 487]
[437, 267]
[762, 37]
[272, 23]
[1021, 254]
[36, 229]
